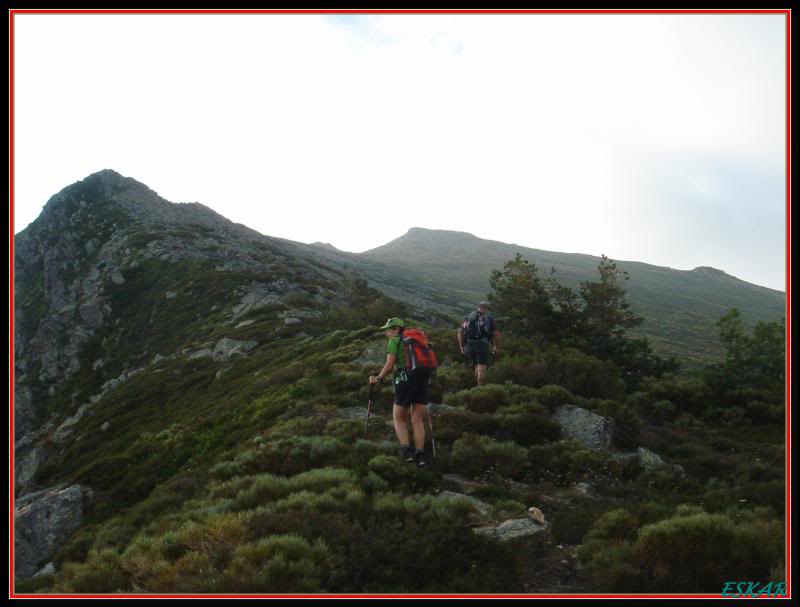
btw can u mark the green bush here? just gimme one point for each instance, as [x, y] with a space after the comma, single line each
[576, 371]
[566, 461]
[397, 473]
[101, 572]
[552, 396]
[759, 412]
[691, 551]
[690, 395]
[288, 455]
[338, 498]
[251, 492]
[617, 524]
[474, 454]
[527, 428]
[279, 563]
[663, 409]
[698, 551]
[451, 425]
[481, 399]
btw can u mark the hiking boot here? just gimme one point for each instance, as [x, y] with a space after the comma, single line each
[419, 459]
[407, 453]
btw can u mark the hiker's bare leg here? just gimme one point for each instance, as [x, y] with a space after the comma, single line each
[418, 423]
[480, 373]
[400, 415]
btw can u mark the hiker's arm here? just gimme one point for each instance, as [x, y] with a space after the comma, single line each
[496, 341]
[385, 371]
[461, 338]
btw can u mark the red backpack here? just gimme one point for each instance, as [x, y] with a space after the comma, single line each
[418, 351]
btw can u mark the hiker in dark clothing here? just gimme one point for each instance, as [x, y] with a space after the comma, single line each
[410, 392]
[475, 335]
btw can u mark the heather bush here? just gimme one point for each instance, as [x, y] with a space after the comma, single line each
[474, 454]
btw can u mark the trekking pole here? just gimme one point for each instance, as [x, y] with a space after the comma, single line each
[369, 406]
[430, 425]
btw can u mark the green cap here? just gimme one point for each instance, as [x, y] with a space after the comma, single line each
[394, 322]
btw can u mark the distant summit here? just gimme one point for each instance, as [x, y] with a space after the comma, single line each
[711, 271]
[324, 245]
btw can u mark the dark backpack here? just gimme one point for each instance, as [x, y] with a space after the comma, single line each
[418, 351]
[478, 326]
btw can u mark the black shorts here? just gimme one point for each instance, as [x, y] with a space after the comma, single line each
[412, 390]
[478, 351]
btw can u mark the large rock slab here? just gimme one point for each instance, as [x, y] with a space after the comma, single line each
[465, 485]
[258, 295]
[25, 466]
[43, 521]
[512, 529]
[227, 347]
[591, 429]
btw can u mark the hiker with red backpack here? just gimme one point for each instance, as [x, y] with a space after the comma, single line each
[411, 360]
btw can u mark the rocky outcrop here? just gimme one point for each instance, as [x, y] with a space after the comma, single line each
[43, 521]
[373, 354]
[456, 481]
[591, 429]
[227, 347]
[25, 412]
[26, 463]
[649, 460]
[259, 295]
[87, 240]
[512, 529]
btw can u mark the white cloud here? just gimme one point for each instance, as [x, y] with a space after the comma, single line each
[522, 128]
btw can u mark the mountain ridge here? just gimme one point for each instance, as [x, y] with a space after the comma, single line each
[415, 234]
[448, 270]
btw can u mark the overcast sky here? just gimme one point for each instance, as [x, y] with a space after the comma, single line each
[657, 138]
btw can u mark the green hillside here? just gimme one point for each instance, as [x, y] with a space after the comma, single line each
[204, 389]
[679, 306]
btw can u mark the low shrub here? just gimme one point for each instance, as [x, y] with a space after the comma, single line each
[474, 454]
[279, 563]
[481, 399]
[691, 551]
[101, 572]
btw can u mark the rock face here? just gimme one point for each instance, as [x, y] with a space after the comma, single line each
[26, 463]
[456, 481]
[89, 240]
[649, 460]
[227, 347]
[591, 429]
[512, 529]
[43, 521]
[373, 354]
[259, 295]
